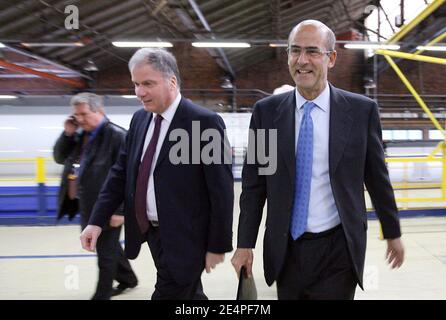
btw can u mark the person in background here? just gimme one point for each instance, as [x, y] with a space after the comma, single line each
[88, 147]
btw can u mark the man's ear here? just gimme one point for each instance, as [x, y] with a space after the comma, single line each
[173, 82]
[332, 58]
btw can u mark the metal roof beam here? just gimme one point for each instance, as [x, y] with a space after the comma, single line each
[15, 67]
[53, 63]
[208, 28]
[79, 52]
[236, 15]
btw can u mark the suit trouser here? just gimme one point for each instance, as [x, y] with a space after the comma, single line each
[166, 288]
[318, 267]
[112, 264]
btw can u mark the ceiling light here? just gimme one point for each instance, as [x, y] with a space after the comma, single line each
[278, 45]
[5, 96]
[227, 84]
[9, 128]
[2, 45]
[142, 44]
[90, 66]
[126, 96]
[221, 44]
[432, 48]
[374, 46]
[52, 44]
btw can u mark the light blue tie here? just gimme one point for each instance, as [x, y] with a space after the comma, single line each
[304, 165]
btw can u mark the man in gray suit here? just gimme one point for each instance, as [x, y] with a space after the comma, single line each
[328, 147]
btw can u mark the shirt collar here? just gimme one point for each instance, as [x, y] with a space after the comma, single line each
[170, 111]
[322, 100]
[95, 131]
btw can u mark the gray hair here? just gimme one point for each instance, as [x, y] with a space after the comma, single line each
[94, 101]
[160, 59]
[330, 38]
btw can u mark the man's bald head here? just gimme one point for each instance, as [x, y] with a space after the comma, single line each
[330, 38]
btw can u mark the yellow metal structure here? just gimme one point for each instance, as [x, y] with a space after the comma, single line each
[437, 149]
[431, 156]
[433, 41]
[411, 56]
[414, 159]
[415, 94]
[40, 171]
[413, 23]
[416, 56]
[420, 186]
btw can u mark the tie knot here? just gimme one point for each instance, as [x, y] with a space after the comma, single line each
[158, 119]
[308, 106]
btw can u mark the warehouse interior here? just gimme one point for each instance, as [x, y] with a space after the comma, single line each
[51, 50]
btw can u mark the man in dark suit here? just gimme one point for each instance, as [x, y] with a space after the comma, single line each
[328, 147]
[182, 209]
[87, 155]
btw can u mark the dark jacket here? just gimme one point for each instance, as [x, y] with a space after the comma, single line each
[356, 158]
[100, 155]
[194, 201]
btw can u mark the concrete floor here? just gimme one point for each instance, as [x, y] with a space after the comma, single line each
[48, 263]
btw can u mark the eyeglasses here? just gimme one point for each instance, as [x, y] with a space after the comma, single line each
[311, 52]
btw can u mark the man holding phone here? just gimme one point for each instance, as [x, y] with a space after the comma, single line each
[88, 147]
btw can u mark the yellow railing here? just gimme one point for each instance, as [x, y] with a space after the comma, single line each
[40, 170]
[405, 29]
[40, 175]
[419, 186]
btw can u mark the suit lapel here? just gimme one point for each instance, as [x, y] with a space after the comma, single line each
[140, 137]
[285, 124]
[340, 126]
[178, 121]
[90, 149]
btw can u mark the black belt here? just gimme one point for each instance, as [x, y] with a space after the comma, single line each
[311, 235]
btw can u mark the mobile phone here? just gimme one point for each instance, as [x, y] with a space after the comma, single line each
[73, 120]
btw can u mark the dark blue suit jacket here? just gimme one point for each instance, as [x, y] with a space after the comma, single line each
[194, 201]
[356, 158]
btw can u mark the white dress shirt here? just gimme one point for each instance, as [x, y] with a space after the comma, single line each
[322, 212]
[167, 115]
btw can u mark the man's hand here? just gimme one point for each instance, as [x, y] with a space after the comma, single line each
[212, 259]
[243, 257]
[89, 237]
[116, 220]
[395, 253]
[70, 126]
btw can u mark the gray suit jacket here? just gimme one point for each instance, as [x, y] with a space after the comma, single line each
[356, 158]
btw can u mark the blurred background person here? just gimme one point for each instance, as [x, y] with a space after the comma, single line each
[88, 147]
